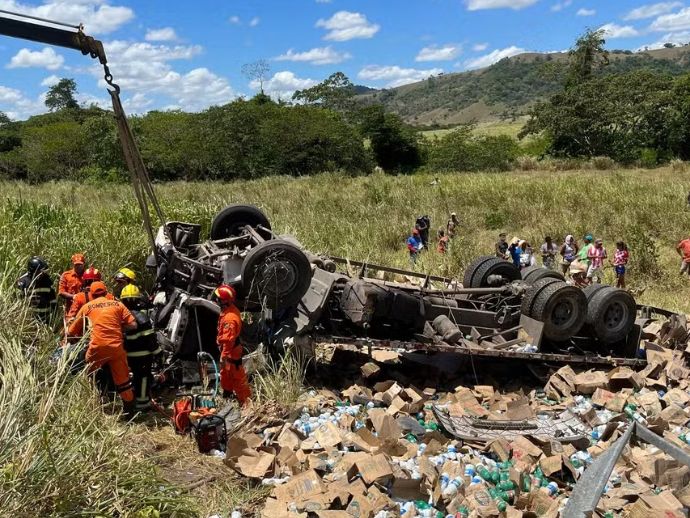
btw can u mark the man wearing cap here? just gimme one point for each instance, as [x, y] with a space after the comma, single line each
[71, 281]
[106, 321]
[233, 377]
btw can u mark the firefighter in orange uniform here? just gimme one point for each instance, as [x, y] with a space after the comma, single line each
[90, 276]
[233, 378]
[106, 320]
[71, 280]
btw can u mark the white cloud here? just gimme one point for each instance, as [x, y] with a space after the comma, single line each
[480, 47]
[235, 20]
[673, 22]
[141, 67]
[98, 16]
[652, 10]
[395, 75]
[346, 25]
[18, 106]
[586, 12]
[254, 21]
[283, 84]
[493, 57]
[435, 53]
[45, 58]
[677, 38]
[316, 56]
[561, 5]
[613, 31]
[164, 34]
[476, 5]
[51, 80]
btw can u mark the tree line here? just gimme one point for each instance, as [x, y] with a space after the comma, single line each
[632, 117]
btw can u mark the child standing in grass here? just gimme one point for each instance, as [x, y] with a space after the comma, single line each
[620, 261]
[442, 246]
[596, 255]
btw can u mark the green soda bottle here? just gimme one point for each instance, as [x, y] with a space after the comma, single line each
[483, 472]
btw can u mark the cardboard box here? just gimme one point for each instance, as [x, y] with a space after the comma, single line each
[374, 468]
[589, 382]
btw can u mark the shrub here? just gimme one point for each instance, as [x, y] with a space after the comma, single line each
[526, 163]
[460, 150]
[602, 163]
[678, 166]
[649, 157]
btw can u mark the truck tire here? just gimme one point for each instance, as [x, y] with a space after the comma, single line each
[562, 309]
[275, 273]
[611, 314]
[591, 290]
[534, 273]
[531, 295]
[479, 271]
[230, 221]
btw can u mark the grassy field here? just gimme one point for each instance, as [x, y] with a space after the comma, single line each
[55, 427]
[486, 128]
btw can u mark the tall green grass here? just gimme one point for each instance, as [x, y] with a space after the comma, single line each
[368, 218]
[60, 454]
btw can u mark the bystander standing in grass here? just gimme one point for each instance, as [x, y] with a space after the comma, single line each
[683, 249]
[452, 225]
[414, 246]
[548, 253]
[515, 251]
[527, 258]
[583, 253]
[423, 225]
[620, 261]
[596, 255]
[442, 246]
[568, 253]
[502, 246]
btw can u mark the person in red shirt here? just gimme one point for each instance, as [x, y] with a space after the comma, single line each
[442, 245]
[106, 321]
[71, 281]
[683, 250]
[233, 377]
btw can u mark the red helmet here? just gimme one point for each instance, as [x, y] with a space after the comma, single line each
[225, 294]
[91, 274]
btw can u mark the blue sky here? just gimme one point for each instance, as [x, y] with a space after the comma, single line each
[188, 54]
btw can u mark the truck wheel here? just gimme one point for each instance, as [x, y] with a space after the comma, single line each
[230, 221]
[534, 273]
[562, 308]
[611, 314]
[532, 292]
[478, 272]
[275, 273]
[592, 289]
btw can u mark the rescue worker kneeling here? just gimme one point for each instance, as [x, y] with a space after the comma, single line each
[233, 377]
[140, 345]
[106, 318]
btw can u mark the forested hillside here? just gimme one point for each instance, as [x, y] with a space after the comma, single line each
[509, 87]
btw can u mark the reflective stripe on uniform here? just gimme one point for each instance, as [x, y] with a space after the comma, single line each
[138, 354]
[40, 290]
[42, 310]
[145, 332]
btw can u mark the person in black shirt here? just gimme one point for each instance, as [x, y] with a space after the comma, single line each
[36, 286]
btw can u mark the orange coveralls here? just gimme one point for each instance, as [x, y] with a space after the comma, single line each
[78, 301]
[106, 318]
[70, 284]
[233, 378]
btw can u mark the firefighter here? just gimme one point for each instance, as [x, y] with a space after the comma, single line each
[233, 378]
[90, 276]
[106, 320]
[140, 345]
[123, 277]
[71, 281]
[36, 286]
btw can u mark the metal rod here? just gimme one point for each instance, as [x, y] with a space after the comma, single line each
[53, 22]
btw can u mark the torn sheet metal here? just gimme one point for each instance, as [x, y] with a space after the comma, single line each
[566, 427]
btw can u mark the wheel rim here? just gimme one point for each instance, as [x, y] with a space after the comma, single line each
[563, 313]
[615, 315]
[277, 277]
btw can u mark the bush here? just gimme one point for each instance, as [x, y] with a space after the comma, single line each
[526, 163]
[460, 150]
[678, 166]
[602, 163]
[648, 157]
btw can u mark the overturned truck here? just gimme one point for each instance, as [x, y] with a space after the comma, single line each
[297, 298]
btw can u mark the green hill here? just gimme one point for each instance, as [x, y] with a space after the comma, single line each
[508, 88]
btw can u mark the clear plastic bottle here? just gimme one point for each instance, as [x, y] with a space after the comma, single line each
[453, 487]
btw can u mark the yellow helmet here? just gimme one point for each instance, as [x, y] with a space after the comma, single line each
[126, 273]
[130, 292]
